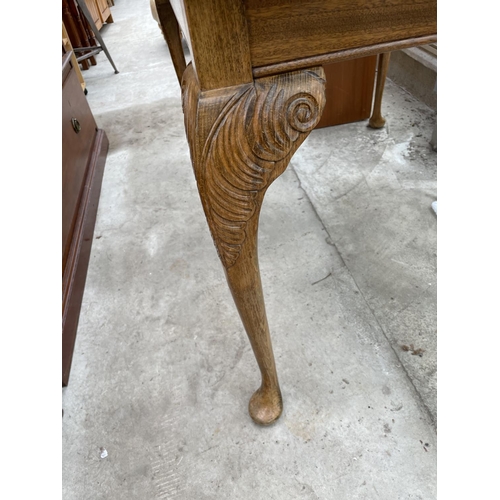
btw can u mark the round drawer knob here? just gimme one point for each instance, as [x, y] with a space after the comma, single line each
[76, 125]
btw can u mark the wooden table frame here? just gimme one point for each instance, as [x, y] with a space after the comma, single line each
[253, 93]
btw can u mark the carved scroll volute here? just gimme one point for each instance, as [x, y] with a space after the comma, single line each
[241, 139]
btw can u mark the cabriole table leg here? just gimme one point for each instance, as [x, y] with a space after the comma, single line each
[241, 138]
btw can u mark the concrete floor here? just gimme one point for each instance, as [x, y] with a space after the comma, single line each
[162, 369]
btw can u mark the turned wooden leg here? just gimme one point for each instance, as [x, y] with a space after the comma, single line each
[242, 138]
[377, 120]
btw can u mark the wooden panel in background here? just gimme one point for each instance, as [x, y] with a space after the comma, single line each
[104, 11]
[349, 91]
[94, 12]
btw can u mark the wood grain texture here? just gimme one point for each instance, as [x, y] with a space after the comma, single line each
[104, 11]
[377, 120]
[285, 30]
[341, 55]
[349, 91]
[218, 39]
[165, 16]
[242, 133]
[241, 139]
[94, 12]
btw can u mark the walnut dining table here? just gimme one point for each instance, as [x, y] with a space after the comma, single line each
[254, 90]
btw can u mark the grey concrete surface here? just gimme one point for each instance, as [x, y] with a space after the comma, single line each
[162, 369]
[416, 71]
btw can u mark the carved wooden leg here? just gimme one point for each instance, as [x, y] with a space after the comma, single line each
[242, 138]
[377, 120]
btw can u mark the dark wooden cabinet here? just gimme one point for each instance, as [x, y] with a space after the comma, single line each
[84, 149]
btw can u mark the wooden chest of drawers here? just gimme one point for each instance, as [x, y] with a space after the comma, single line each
[84, 149]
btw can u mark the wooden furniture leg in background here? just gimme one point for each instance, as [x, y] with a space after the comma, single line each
[73, 23]
[164, 15]
[97, 35]
[241, 139]
[377, 120]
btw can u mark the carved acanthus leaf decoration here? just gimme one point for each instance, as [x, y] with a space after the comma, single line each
[249, 145]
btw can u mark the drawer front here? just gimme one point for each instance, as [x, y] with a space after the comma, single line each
[76, 149]
[284, 30]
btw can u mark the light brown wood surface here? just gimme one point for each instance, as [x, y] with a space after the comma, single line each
[104, 11]
[241, 139]
[341, 55]
[284, 30]
[94, 12]
[218, 40]
[252, 95]
[100, 12]
[66, 42]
